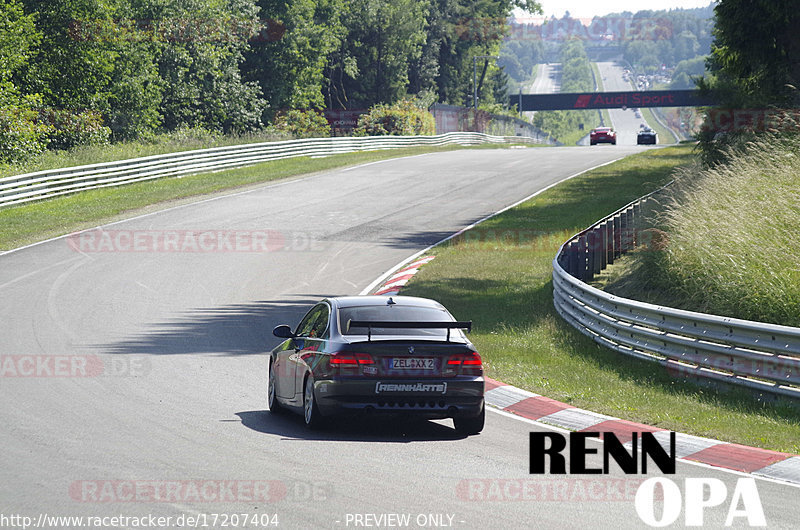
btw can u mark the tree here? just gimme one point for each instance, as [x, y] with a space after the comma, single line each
[21, 135]
[757, 51]
[686, 46]
[288, 59]
[72, 67]
[373, 62]
[203, 86]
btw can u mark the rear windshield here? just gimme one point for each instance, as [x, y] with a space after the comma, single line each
[395, 313]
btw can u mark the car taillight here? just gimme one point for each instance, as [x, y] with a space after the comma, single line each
[465, 364]
[344, 359]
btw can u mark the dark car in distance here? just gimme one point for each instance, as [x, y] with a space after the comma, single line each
[646, 136]
[378, 355]
[602, 135]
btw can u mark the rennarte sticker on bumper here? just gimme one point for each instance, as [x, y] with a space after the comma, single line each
[410, 387]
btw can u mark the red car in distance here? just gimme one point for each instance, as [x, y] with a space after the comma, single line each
[603, 135]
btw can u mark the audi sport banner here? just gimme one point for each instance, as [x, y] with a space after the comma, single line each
[611, 100]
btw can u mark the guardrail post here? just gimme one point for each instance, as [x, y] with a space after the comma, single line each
[597, 250]
[610, 241]
[631, 223]
[617, 237]
[637, 224]
[572, 252]
[604, 231]
[623, 232]
[590, 254]
[582, 257]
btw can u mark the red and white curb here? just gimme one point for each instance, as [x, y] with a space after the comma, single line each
[393, 285]
[760, 462]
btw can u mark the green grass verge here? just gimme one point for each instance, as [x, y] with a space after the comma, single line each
[573, 137]
[499, 276]
[31, 222]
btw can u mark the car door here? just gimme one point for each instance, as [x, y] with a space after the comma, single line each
[310, 337]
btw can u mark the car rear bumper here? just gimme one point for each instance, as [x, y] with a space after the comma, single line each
[427, 398]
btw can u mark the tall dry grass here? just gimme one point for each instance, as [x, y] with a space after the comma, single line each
[734, 236]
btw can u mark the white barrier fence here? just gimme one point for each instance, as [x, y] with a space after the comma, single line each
[51, 183]
[756, 355]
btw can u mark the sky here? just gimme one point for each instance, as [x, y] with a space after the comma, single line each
[590, 8]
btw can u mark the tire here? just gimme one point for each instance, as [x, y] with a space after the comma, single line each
[614, 142]
[471, 425]
[311, 414]
[272, 398]
[592, 143]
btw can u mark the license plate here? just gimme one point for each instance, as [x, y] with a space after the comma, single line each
[413, 363]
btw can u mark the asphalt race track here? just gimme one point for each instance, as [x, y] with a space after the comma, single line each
[625, 121]
[177, 424]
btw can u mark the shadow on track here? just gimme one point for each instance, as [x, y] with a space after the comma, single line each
[237, 329]
[416, 240]
[356, 429]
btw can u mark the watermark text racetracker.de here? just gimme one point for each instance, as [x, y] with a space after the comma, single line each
[724, 120]
[193, 520]
[69, 365]
[192, 241]
[195, 491]
[597, 489]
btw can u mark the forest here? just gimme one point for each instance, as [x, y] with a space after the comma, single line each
[78, 72]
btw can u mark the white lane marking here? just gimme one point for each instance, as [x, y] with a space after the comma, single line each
[381, 161]
[690, 462]
[37, 271]
[53, 299]
[414, 256]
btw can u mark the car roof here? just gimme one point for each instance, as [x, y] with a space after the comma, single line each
[372, 300]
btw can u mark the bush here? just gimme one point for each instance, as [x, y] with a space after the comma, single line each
[302, 123]
[69, 129]
[403, 118]
[21, 136]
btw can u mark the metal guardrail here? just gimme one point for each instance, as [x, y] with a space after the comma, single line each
[756, 355]
[54, 182]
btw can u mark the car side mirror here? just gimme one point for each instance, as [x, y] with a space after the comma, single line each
[283, 331]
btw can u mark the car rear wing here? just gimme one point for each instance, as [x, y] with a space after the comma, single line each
[407, 324]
